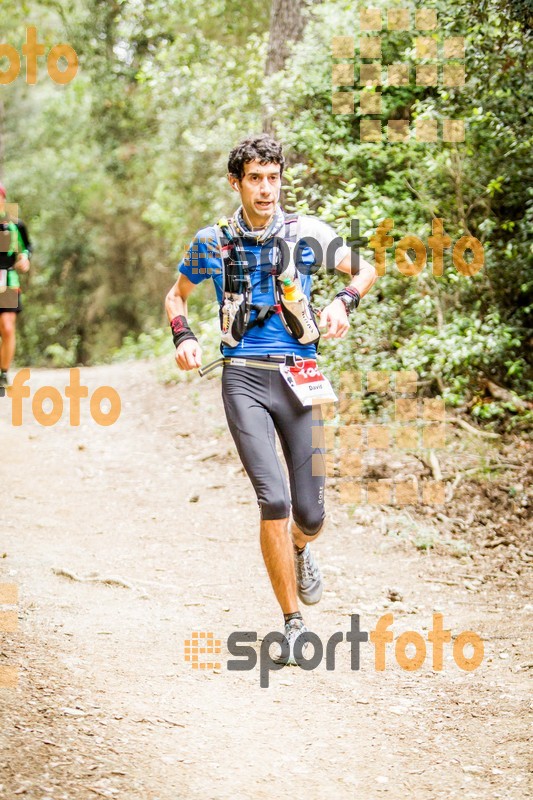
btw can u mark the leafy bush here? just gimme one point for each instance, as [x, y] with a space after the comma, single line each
[455, 331]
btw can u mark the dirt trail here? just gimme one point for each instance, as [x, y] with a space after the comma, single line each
[107, 706]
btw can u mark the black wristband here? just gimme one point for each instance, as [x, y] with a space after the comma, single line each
[181, 331]
[350, 297]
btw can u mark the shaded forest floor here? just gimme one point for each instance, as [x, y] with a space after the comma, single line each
[156, 524]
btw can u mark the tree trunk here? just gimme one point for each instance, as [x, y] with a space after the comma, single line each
[287, 22]
[286, 25]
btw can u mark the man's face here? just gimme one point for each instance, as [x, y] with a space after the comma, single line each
[259, 188]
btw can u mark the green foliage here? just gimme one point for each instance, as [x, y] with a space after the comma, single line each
[453, 330]
[116, 171]
[158, 344]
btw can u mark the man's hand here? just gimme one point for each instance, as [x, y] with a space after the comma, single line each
[22, 264]
[189, 355]
[335, 318]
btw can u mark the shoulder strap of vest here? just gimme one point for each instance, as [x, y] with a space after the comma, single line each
[291, 223]
[235, 277]
[224, 232]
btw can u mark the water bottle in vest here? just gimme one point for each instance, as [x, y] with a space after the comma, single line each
[297, 312]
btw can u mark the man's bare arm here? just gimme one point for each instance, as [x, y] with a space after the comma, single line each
[365, 278]
[189, 352]
[334, 316]
[176, 299]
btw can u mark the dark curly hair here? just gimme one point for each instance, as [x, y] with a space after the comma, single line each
[263, 148]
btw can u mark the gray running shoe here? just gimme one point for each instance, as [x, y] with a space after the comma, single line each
[308, 577]
[293, 629]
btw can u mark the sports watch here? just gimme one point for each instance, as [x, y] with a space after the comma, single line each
[350, 297]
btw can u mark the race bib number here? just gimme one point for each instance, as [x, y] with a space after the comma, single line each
[308, 383]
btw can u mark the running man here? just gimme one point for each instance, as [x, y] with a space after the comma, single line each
[258, 339]
[15, 252]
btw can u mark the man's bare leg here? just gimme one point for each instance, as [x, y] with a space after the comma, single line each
[300, 538]
[278, 555]
[308, 576]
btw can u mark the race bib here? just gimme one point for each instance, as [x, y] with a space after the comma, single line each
[308, 383]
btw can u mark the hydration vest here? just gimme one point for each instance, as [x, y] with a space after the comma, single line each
[236, 307]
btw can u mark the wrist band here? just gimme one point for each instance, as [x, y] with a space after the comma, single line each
[350, 297]
[181, 331]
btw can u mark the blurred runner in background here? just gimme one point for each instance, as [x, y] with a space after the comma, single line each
[15, 252]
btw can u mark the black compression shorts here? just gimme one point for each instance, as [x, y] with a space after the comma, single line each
[259, 404]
